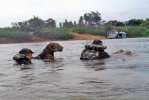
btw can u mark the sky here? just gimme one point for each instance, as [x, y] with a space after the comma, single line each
[59, 10]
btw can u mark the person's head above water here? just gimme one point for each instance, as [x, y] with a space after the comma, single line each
[94, 51]
[24, 56]
[97, 42]
[27, 52]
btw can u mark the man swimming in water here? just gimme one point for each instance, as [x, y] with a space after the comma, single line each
[23, 57]
[94, 51]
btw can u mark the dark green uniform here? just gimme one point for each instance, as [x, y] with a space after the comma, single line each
[22, 58]
[94, 51]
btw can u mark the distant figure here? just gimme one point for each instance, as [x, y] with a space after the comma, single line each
[123, 52]
[94, 51]
[48, 52]
[23, 57]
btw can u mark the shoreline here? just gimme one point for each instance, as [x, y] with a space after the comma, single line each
[34, 39]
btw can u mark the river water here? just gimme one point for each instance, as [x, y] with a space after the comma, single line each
[68, 78]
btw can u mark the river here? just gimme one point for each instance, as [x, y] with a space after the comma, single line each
[68, 78]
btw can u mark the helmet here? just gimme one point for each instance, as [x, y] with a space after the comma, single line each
[97, 42]
[25, 51]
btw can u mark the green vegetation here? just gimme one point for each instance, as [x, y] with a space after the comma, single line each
[51, 33]
[54, 33]
[90, 23]
[13, 34]
[132, 31]
[100, 30]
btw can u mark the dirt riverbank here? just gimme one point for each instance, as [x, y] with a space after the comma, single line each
[75, 36]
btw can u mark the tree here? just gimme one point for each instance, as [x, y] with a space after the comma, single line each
[70, 24]
[116, 23]
[80, 23]
[24, 26]
[35, 24]
[50, 23]
[92, 19]
[134, 22]
[15, 25]
[67, 24]
[60, 25]
[75, 24]
[145, 23]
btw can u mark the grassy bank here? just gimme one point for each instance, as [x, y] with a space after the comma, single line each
[65, 33]
[101, 30]
[18, 35]
[132, 31]
[13, 34]
[54, 34]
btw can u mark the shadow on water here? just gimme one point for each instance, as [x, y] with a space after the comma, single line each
[68, 78]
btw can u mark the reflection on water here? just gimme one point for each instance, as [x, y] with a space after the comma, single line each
[68, 78]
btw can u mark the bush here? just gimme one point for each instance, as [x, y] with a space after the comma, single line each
[54, 33]
[64, 33]
[91, 30]
[132, 31]
[13, 34]
[146, 33]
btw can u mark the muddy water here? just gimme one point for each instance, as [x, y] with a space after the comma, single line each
[68, 78]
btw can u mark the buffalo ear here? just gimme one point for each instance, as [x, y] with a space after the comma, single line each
[49, 47]
[52, 46]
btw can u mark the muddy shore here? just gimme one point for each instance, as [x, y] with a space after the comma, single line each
[39, 39]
